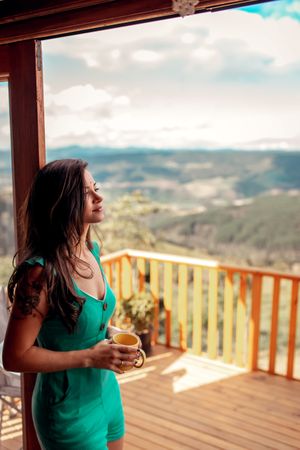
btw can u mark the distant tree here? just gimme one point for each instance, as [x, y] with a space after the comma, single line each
[124, 226]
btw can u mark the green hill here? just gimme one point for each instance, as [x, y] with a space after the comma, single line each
[266, 231]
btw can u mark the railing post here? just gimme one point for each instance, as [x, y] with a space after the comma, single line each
[154, 288]
[228, 318]
[168, 293]
[292, 330]
[274, 325]
[254, 323]
[212, 332]
[141, 267]
[241, 322]
[126, 273]
[197, 311]
[182, 305]
[118, 280]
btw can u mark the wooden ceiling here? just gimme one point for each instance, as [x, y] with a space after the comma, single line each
[36, 19]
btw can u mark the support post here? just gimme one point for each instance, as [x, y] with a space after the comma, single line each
[28, 155]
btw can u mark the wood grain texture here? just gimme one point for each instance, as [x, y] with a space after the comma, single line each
[69, 17]
[228, 318]
[241, 322]
[154, 289]
[4, 63]
[180, 401]
[168, 297]
[28, 155]
[189, 402]
[197, 311]
[182, 305]
[274, 324]
[254, 325]
[292, 330]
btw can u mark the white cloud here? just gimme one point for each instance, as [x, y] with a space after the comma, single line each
[115, 54]
[146, 56]
[78, 98]
[293, 7]
[188, 38]
[122, 100]
[215, 79]
[97, 107]
[203, 54]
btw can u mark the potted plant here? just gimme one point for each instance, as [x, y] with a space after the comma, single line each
[137, 313]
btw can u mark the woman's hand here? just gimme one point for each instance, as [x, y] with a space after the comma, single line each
[105, 355]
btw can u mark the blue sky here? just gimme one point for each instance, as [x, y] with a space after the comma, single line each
[227, 79]
[278, 9]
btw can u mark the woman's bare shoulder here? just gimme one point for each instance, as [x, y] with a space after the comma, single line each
[31, 293]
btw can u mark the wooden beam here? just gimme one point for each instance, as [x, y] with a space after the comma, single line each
[16, 11]
[4, 63]
[28, 155]
[88, 16]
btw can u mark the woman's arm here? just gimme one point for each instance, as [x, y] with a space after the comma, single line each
[20, 354]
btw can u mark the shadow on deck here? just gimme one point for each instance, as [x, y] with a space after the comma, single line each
[180, 401]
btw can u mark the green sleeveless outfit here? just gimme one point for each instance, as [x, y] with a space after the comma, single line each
[78, 409]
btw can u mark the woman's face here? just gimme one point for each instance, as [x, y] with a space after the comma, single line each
[93, 211]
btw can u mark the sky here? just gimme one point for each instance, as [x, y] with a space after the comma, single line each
[228, 79]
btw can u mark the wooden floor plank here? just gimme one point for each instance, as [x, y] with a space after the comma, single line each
[235, 397]
[157, 390]
[190, 412]
[208, 392]
[228, 431]
[178, 401]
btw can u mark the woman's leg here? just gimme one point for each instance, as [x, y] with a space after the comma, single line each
[116, 445]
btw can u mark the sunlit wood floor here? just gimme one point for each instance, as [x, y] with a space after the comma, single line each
[10, 429]
[179, 401]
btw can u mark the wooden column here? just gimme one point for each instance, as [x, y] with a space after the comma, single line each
[4, 62]
[28, 155]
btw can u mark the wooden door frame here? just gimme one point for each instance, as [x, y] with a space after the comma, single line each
[21, 66]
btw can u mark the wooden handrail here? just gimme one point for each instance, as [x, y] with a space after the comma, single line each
[197, 262]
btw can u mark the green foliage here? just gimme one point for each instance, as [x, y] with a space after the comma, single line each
[124, 224]
[139, 308]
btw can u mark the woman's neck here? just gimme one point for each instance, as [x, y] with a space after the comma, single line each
[80, 248]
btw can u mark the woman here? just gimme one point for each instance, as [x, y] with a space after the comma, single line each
[62, 300]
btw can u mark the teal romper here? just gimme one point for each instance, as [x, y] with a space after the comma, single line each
[78, 409]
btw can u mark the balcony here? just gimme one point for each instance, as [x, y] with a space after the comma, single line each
[225, 367]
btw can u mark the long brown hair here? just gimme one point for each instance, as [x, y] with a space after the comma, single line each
[52, 216]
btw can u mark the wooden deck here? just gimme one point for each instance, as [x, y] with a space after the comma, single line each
[179, 401]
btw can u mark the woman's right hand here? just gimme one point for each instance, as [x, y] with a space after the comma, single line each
[105, 355]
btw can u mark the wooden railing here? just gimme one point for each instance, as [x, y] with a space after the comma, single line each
[246, 316]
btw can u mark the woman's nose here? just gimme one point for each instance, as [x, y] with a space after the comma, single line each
[98, 197]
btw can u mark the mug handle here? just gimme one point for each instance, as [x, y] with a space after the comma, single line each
[141, 359]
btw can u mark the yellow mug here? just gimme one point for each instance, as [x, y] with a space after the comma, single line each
[131, 340]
